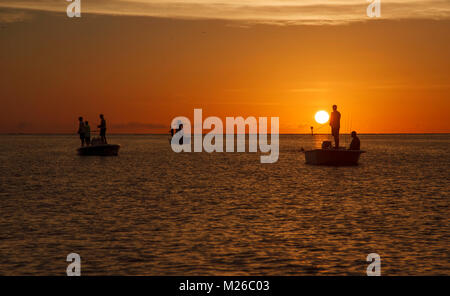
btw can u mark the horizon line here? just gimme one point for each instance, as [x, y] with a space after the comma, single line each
[167, 134]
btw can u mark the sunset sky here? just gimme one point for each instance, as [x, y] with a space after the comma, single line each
[144, 62]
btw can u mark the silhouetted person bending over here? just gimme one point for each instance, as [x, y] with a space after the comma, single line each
[356, 143]
[102, 128]
[81, 130]
[335, 123]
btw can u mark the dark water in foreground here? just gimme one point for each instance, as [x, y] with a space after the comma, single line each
[151, 211]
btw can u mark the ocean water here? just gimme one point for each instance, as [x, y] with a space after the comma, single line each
[151, 211]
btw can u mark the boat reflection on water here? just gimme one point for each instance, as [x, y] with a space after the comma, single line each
[98, 148]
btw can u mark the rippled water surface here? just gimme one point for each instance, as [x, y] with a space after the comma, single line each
[151, 211]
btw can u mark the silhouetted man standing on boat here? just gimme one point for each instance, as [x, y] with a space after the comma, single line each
[335, 123]
[102, 127]
[356, 143]
[81, 130]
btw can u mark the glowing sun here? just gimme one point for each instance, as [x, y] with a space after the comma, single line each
[322, 117]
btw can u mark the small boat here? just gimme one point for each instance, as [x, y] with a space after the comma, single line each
[99, 150]
[333, 157]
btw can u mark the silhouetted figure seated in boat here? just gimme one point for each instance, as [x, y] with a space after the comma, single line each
[335, 123]
[327, 145]
[356, 143]
[102, 128]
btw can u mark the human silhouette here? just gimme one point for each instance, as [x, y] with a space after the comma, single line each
[81, 130]
[182, 133]
[87, 133]
[356, 143]
[102, 128]
[335, 123]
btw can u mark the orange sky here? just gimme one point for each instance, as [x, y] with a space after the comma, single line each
[386, 76]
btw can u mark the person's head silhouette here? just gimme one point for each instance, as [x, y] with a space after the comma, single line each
[80, 118]
[101, 116]
[353, 134]
[180, 125]
[334, 107]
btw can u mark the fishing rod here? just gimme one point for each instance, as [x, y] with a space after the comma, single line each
[323, 125]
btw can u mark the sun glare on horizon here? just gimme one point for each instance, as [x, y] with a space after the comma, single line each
[322, 117]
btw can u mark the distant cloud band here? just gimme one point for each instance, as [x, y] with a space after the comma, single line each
[265, 11]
